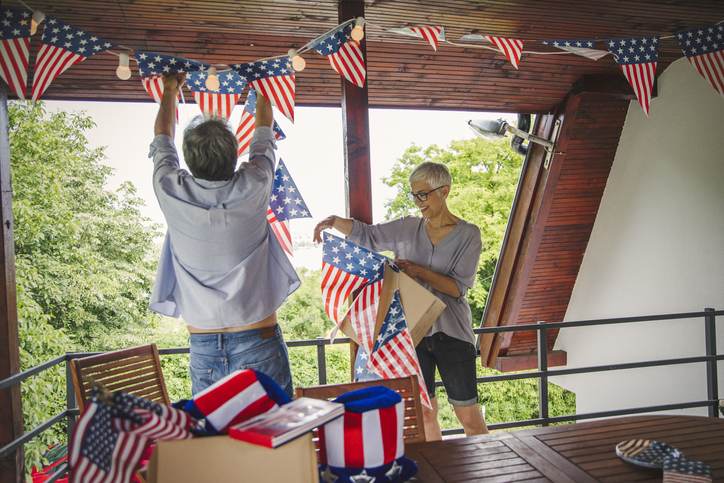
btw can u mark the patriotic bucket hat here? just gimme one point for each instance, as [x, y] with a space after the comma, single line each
[239, 396]
[366, 445]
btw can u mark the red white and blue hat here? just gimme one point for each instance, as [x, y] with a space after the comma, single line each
[239, 396]
[366, 445]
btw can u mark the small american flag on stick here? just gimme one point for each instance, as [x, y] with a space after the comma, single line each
[637, 58]
[344, 54]
[15, 48]
[216, 103]
[704, 47]
[286, 203]
[274, 78]
[247, 124]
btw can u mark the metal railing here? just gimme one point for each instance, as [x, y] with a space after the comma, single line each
[542, 373]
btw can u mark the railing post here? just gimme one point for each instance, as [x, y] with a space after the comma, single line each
[70, 403]
[321, 361]
[712, 383]
[543, 368]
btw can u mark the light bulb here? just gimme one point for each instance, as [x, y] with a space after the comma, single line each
[358, 32]
[123, 71]
[35, 20]
[212, 80]
[298, 62]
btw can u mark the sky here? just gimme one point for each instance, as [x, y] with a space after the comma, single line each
[312, 151]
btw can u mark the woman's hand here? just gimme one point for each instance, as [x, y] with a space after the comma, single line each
[323, 225]
[411, 268]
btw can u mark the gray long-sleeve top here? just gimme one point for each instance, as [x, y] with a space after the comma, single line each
[220, 264]
[456, 256]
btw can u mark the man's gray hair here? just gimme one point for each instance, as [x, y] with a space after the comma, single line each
[434, 174]
[210, 149]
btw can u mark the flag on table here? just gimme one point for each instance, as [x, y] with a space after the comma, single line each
[637, 58]
[704, 47]
[344, 54]
[15, 48]
[216, 103]
[679, 469]
[245, 131]
[110, 437]
[393, 354]
[582, 47]
[511, 48]
[274, 78]
[346, 267]
[432, 33]
[62, 46]
[285, 203]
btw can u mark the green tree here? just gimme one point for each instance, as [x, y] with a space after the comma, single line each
[485, 175]
[82, 253]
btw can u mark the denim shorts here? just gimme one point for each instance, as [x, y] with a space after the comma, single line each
[214, 356]
[455, 359]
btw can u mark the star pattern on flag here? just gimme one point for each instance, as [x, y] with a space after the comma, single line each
[275, 79]
[344, 54]
[638, 58]
[583, 47]
[216, 103]
[285, 203]
[15, 48]
[152, 64]
[704, 47]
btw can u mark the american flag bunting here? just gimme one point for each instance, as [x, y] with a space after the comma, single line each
[285, 203]
[704, 47]
[275, 79]
[15, 49]
[62, 46]
[434, 34]
[363, 314]
[583, 47]
[511, 48]
[637, 58]
[109, 438]
[393, 354]
[216, 103]
[247, 124]
[346, 267]
[152, 67]
[344, 54]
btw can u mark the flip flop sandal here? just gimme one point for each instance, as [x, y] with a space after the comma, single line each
[646, 453]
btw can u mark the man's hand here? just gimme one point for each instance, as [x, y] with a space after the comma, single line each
[172, 83]
[264, 113]
[166, 117]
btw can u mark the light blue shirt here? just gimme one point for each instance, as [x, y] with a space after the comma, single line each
[220, 265]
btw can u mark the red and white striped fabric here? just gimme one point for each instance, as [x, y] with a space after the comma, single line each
[349, 62]
[704, 47]
[511, 48]
[364, 440]
[641, 77]
[245, 132]
[15, 49]
[281, 231]
[154, 88]
[218, 105]
[637, 58]
[233, 399]
[432, 33]
[363, 314]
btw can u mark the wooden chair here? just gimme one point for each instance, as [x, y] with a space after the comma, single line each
[407, 387]
[136, 371]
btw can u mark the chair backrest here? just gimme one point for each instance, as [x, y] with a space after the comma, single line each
[136, 371]
[407, 387]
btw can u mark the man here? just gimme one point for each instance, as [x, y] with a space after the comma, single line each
[221, 269]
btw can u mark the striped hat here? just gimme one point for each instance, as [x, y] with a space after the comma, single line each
[239, 396]
[367, 441]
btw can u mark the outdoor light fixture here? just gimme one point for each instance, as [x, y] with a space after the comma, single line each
[35, 20]
[212, 80]
[123, 71]
[358, 32]
[496, 129]
[298, 62]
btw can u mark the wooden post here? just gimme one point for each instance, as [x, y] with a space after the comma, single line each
[356, 133]
[11, 415]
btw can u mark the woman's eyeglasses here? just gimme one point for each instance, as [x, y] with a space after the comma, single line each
[422, 195]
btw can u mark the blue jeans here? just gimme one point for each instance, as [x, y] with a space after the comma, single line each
[214, 356]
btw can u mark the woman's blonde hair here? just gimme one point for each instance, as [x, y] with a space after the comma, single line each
[434, 174]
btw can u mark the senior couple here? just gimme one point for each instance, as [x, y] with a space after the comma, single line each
[224, 272]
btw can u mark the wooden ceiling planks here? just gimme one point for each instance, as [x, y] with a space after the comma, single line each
[402, 72]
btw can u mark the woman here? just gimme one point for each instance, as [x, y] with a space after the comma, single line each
[441, 251]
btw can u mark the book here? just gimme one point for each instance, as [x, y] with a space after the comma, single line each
[280, 425]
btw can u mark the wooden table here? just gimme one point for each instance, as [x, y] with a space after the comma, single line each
[581, 452]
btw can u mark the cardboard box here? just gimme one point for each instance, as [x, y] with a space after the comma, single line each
[422, 307]
[221, 458]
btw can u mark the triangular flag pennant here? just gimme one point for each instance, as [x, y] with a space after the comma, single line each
[704, 47]
[216, 103]
[582, 47]
[286, 203]
[275, 79]
[15, 48]
[247, 124]
[62, 46]
[511, 48]
[344, 54]
[434, 34]
[637, 58]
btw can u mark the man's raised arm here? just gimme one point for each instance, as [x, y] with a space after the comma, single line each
[166, 117]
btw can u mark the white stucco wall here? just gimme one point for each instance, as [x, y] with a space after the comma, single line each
[657, 246]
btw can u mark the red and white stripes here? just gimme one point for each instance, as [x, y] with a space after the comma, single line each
[281, 231]
[218, 105]
[280, 91]
[49, 64]
[432, 33]
[349, 62]
[711, 67]
[337, 286]
[363, 314]
[641, 77]
[511, 48]
[14, 59]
